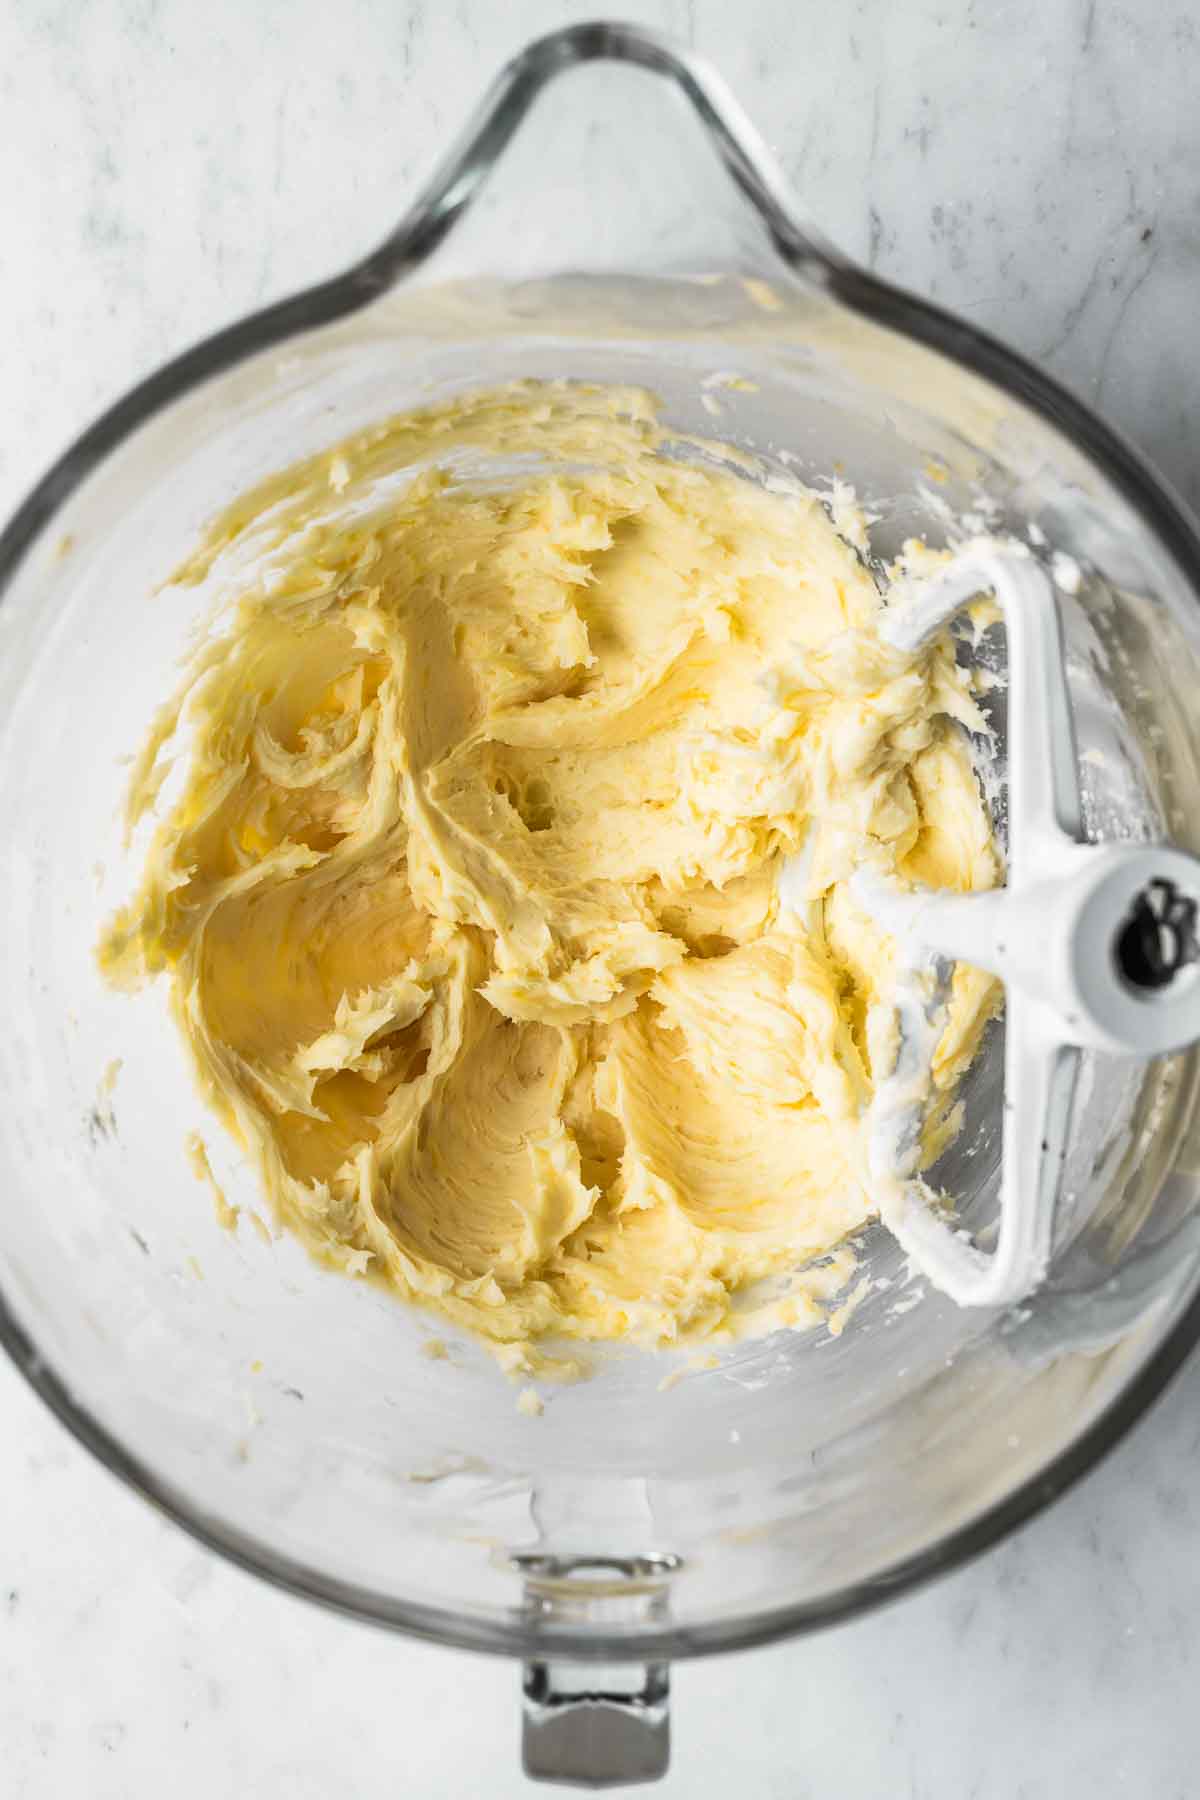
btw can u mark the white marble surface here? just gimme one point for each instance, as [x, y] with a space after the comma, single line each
[167, 167]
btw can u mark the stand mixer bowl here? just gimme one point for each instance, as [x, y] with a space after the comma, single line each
[608, 216]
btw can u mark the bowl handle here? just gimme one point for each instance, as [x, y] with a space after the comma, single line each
[558, 203]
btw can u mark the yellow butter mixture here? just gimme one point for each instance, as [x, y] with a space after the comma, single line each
[502, 881]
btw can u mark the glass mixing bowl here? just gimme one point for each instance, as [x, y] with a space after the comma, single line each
[609, 215]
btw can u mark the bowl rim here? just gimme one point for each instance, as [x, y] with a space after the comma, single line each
[803, 250]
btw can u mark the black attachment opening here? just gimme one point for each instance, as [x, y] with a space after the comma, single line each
[1159, 937]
